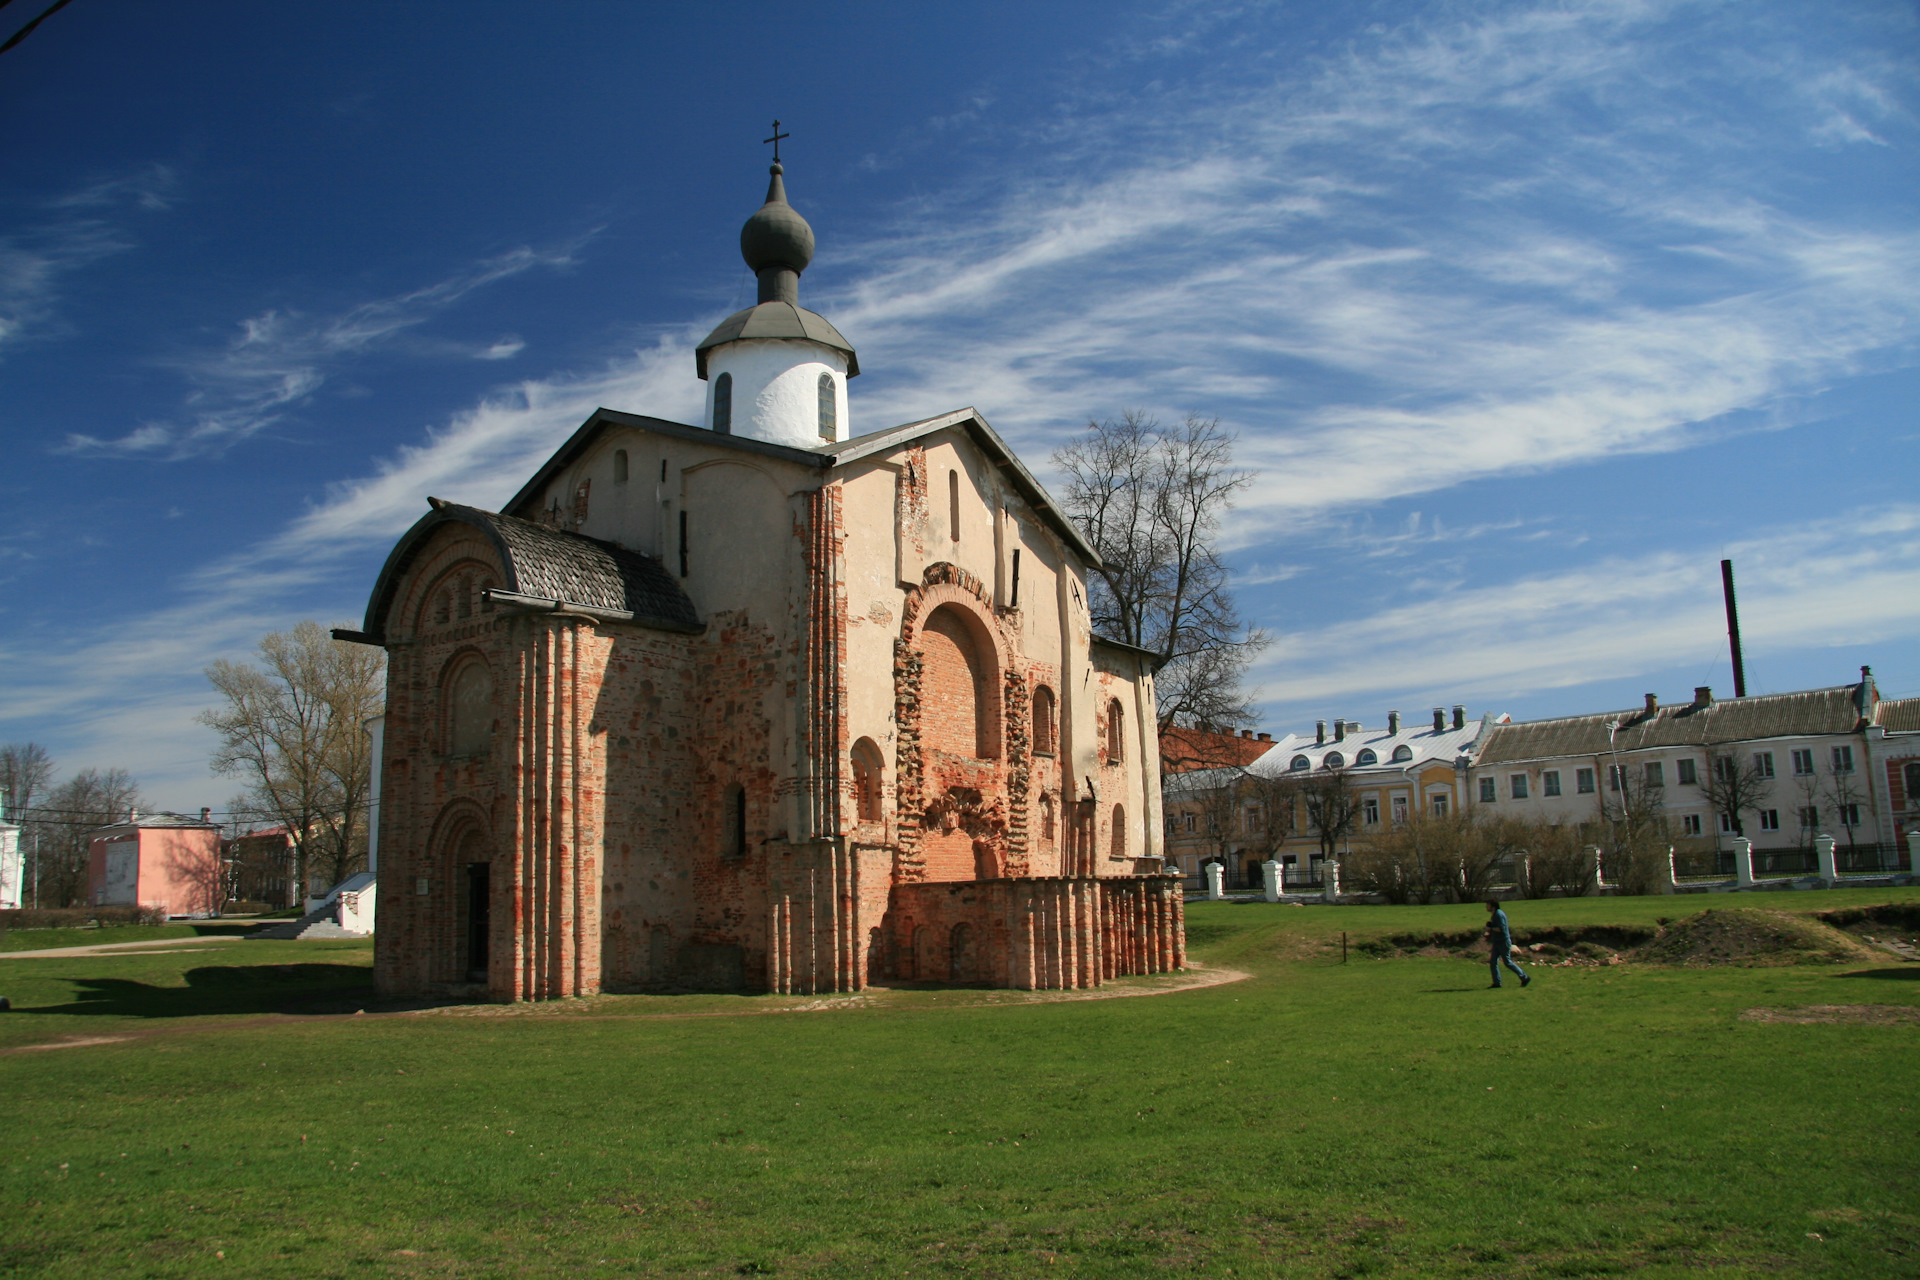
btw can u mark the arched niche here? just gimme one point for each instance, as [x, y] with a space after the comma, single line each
[867, 766]
[467, 706]
[959, 685]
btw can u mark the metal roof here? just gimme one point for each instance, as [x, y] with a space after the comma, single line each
[1424, 746]
[1898, 715]
[548, 564]
[1776, 715]
[776, 320]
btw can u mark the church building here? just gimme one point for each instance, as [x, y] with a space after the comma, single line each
[763, 704]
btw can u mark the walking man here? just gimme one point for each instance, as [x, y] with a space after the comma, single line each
[1500, 944]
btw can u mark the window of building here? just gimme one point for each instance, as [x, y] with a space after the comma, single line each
[1046, 819]
[1769, 819]
[1334, 760]
[1187, 821]
[1402, 753]
[1912, 776]
[1843, 760]
[1583, 781]
[1517, 784]
[1656, 774]
[866, 780]
[1690, 825]
[1726, 824]
[1116, 732]
[1045, 722]
[1763, 763]
[1487, 791]
[734, 839]
[829, 415]
[1399, 809]
[723, 404]
[953, 505]
[1299, 762]
[1809, 817]
[1849, 815]
[1370, 811]
[1723, 768]
[1437, 804]
[1250, 820]
[619, 466]
[1550, 783]
[1802, 761]
[1119, 832]
[1688, 771]
[1366, 757]
[1616, 776]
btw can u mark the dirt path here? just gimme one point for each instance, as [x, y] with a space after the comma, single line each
[1193, 978]
[109, 948]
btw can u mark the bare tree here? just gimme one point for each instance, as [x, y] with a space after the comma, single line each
[1150, 499]
[1329, 805]
[25, 771]
[64, 825]
[1557, 859]
[1633, 810]
[1844, 795]
[1734, 789]
[294, 730]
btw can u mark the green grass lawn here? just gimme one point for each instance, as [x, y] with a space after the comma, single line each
[1379, 1118]
[46, 939]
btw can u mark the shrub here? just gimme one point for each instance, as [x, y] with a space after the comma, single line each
[78, 917]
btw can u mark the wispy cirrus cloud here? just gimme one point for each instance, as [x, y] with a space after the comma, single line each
[1845, 580]
[280, 358]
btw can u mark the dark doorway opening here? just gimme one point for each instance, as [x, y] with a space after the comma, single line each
[478, 900]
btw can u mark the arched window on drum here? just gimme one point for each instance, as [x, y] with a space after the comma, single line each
[1116, 732]
[1119, 836]
[468, 695]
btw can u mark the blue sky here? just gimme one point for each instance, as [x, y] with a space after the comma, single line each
[1526, 314]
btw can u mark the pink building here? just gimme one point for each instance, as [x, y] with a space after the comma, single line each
[157, 860]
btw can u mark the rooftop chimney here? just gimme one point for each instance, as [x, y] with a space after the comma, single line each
[1319, 733]
[1459, 715]
[204, 813]
[1653, 705]
[1702, 695]
[1393, 722]
[1246, 733]
[1266, 737]
[1439, 719]
[1339, 730]
[133, 815]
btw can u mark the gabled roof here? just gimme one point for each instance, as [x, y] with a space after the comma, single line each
[547, 564]
[1898, 715]
[1774, 715]
[162, 819]
[825, 457]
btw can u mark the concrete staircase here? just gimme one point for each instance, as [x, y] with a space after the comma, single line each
[312, 927]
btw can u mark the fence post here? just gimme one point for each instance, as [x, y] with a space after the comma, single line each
[1823, 850]
[1672, 884]
[1270, 879]
[1743, 861]
[1330, 880]
[1596, 878]
[1215, 872]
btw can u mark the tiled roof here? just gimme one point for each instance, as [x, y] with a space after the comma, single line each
[550, 564]
[1184, 750]
[1898, 715]
[1776, 715]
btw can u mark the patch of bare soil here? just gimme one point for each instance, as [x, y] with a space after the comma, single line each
[1751, 937]
[1879, 1015]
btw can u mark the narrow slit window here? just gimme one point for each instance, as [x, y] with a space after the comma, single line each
[723, 404]
[1015, 602]
[683, 544]
[953, 504]
[619, 466]
[829, 409]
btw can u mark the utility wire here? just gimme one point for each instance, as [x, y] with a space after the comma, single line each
[27, 30]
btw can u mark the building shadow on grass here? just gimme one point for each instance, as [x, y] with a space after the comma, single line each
[1911, 973]
[218, 989]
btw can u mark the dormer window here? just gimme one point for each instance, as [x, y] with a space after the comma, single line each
[1299, 763]
[1402, 753]
[829, 415]
[1335, 760]
[723, 404]
[1366, 757]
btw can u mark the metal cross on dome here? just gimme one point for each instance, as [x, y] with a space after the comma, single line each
[775, 140]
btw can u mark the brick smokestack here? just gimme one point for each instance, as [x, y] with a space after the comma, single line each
[1702, 695]
[1319, 733]
[1393, 722]
[1459, 716]
[1439, 719]
[1339, 730]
